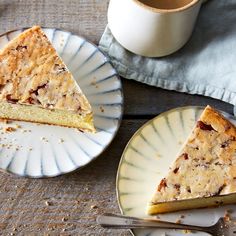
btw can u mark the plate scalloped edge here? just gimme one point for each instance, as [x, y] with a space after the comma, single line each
[138, 173]
[32, 151]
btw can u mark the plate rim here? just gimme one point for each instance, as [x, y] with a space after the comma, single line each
[137, 132]
[119, 120]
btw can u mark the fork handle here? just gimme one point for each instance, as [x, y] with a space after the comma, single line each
[126, 222]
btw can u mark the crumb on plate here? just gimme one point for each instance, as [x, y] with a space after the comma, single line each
[9, 129]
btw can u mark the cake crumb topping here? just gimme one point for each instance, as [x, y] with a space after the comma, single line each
[205, 167]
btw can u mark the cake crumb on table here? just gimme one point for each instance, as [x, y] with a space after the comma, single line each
[64, 219]
[102, 109]
[93, 207]
[47, 203]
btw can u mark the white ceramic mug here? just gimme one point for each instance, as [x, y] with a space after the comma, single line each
[151, 31]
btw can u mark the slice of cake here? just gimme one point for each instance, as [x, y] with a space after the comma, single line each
[36, 86]
[204, 174]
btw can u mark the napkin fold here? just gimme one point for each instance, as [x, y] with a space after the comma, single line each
[206, 65]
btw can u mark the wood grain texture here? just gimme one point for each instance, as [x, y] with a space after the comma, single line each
[146, 101]
[84, 17]
[68, 205]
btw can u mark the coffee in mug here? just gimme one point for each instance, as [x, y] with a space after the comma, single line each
[166, 4]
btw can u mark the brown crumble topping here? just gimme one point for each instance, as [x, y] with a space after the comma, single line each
[162, 184]
[185, 155]
[20, 47]
[176, 170]
[188, 189]
[10, 99]
[220, 189]
[204, 126]
[177, 186]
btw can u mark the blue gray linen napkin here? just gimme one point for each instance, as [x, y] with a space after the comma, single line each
[206, 65]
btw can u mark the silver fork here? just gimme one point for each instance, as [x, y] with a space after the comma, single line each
[221, 228]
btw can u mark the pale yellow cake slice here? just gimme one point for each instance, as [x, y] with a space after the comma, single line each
[204, 173]
[36, 86]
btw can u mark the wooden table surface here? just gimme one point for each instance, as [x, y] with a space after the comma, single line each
[68, 205]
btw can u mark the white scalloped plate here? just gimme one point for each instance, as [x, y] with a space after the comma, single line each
[146, 159]
[45, 151]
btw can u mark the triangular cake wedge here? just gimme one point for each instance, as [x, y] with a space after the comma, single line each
[204, 173]
[36, 86]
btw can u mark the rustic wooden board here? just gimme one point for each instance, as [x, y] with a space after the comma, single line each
[68, 204]
[84, 17]
[145, 100]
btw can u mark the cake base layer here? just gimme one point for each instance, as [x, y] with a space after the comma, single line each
[37, 114]
[164, 207]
